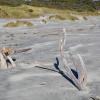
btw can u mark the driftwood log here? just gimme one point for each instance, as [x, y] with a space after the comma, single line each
[6, 60]
[78, 63]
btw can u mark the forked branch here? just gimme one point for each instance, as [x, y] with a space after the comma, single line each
[78, 63]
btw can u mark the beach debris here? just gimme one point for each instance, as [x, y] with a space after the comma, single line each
[43, 19]
[95, 97]
[5, 58]
[77, 61]
[22, 50]
[6, 61]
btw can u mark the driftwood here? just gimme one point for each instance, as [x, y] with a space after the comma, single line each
[22, 50]
[95, 98]
[78, 63]
[6, 60]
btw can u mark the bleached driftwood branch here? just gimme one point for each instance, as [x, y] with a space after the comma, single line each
[78, 63]
[5, 58]
[3, 64]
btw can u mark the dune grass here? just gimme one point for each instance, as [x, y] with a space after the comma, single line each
[19, 11]
[18, 23]
[63, 17]
[63, 8]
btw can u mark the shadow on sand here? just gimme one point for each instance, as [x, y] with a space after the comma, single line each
[63, 74]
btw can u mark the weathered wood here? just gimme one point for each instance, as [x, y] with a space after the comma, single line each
[95, 97]
[22, 50]
[80, 68]
[3, 64]
[11, 61]
[5, 59]
[81, 81]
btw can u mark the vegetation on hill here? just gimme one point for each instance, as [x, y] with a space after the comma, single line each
[18, 23]
[26, 9]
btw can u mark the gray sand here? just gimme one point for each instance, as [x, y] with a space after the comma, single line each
[27, 82]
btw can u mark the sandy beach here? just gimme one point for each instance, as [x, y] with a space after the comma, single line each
[30, 80]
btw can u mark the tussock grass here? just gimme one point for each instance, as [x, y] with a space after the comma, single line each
[63, 8]
[63, 17]
[23, 11]
[18, 23]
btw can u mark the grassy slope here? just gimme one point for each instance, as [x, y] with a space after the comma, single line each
[19, 8]
[18, 23]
